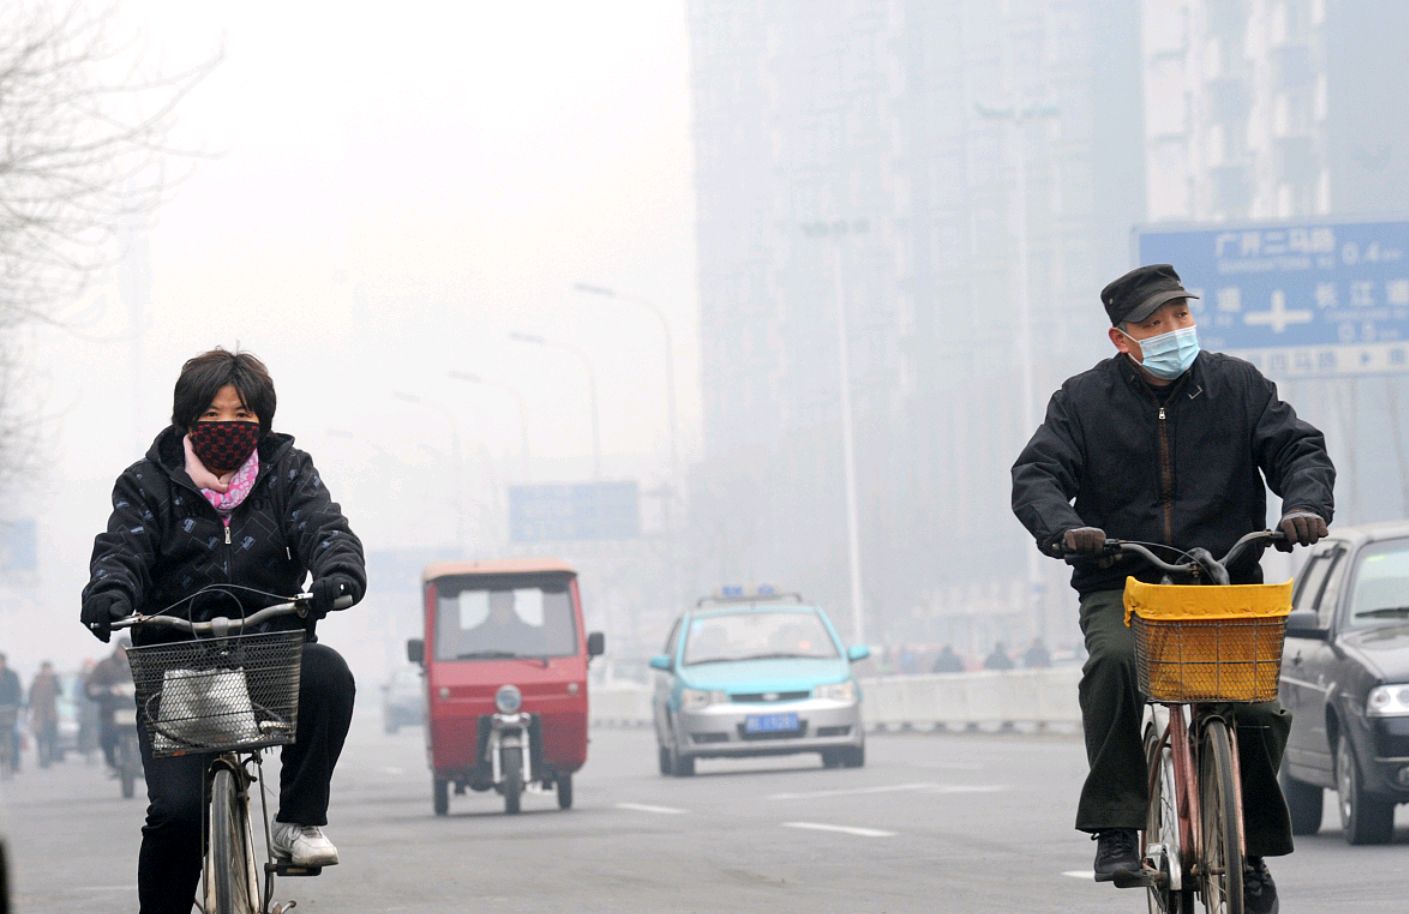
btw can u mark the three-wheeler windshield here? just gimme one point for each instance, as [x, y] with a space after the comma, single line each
[489, 618]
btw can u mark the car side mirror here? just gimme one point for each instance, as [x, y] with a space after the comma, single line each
[661, 662]
[596, 644]
[857, 652]
[1304, 623]
[416, 651]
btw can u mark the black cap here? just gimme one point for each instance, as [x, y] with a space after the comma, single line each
[1136, 295]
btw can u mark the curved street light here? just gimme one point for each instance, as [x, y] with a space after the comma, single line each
[607, 292]
[534, 339]
[455, 456]
[470, 377]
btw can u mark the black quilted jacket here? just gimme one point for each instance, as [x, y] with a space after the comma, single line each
[164, 540]
[1188, 471]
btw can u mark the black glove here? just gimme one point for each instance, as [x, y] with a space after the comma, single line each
[1084, 540]
[325, 591]
[99, 612]
[1302, 527]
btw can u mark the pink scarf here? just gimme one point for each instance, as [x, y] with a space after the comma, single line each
[225, 493]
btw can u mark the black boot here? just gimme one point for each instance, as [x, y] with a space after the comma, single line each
[1259, 891]
[1117, 856]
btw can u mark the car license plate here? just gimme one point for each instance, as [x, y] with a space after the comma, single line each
[772, 723]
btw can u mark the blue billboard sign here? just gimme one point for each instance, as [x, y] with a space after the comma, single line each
[1297, 299]
[575, 512]
[19, 545]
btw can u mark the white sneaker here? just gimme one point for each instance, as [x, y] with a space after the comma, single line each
[303, 845]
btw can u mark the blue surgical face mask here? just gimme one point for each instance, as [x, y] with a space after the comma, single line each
[1169, 355]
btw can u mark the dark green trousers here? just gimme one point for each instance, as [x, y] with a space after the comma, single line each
[1111, 708]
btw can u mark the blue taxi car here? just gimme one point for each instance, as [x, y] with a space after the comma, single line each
[753, 676]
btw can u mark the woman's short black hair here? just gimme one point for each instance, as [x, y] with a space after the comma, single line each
[203, 376]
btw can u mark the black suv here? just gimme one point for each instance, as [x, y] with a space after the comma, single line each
[1345, 678]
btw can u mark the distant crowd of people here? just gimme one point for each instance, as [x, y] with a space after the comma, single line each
[35, 713]
[907, 659]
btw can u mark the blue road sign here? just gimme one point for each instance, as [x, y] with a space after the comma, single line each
[1297, 299]
[19, 545]
[579, 512]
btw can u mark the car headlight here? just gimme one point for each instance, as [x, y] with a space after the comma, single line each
[697, 699]
[1388, 701]
[508, 699]
[837, 691]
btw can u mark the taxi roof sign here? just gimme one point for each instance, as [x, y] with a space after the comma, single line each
[737, 595]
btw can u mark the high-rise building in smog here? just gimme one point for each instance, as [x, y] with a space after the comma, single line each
[962, 177]
[1270, 110]
[1274, 109]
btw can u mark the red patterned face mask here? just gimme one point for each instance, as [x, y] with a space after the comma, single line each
[224, 446]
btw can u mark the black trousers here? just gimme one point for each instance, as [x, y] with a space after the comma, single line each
[1115, 792]
[169, 866]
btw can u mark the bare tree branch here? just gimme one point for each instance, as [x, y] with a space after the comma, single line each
[84, 145]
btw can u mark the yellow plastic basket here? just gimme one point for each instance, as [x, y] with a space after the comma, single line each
[1208, 643]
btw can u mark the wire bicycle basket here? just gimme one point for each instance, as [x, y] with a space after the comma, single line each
[1207, 642]
[218, 694]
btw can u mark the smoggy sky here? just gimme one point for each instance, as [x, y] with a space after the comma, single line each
[388, 192]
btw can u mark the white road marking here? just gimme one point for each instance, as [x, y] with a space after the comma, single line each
[391, 770]
[1088, 875]
[891, 788]
[646, 807]
[841, 829]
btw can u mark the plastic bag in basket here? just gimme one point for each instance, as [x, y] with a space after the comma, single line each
[204, 708]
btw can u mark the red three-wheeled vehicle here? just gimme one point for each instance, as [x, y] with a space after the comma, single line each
[505, 658]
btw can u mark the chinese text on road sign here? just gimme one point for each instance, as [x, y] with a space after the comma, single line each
[1306, 299]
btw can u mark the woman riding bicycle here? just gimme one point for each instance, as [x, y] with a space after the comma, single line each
[227, 509]
[1165, 444]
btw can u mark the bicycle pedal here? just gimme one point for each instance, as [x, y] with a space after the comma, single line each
[289, 868]
[283, 907]
[1134, 880]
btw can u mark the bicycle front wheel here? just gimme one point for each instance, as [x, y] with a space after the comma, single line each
[231, 884]
[1221, 859]
[1170, 894]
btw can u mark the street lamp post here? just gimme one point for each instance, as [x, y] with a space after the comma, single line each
[536, 340]
[837, 230]
[606, 292]
[1018, 116]
[471, 378]
[455, 457]
[676, 488]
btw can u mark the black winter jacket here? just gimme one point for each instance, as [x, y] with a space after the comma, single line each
[164, 540]
[1188, 472]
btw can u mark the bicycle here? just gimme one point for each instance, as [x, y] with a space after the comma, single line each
[126, 754]
[1197, 649]
[231, 695]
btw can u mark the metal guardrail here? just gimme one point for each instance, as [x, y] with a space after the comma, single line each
[1042, 697]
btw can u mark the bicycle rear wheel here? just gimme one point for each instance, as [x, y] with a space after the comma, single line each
[232, 885]
[1221, 864]
[1163, 848]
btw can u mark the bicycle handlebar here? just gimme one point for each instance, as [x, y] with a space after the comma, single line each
[1200, 559]
[221, 626]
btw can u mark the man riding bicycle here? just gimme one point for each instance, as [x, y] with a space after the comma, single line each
[112, 671]
[224, 507]
[1166, 444]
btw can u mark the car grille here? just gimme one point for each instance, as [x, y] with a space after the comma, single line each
[709, 738]
[833, 731]
[766, 697]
